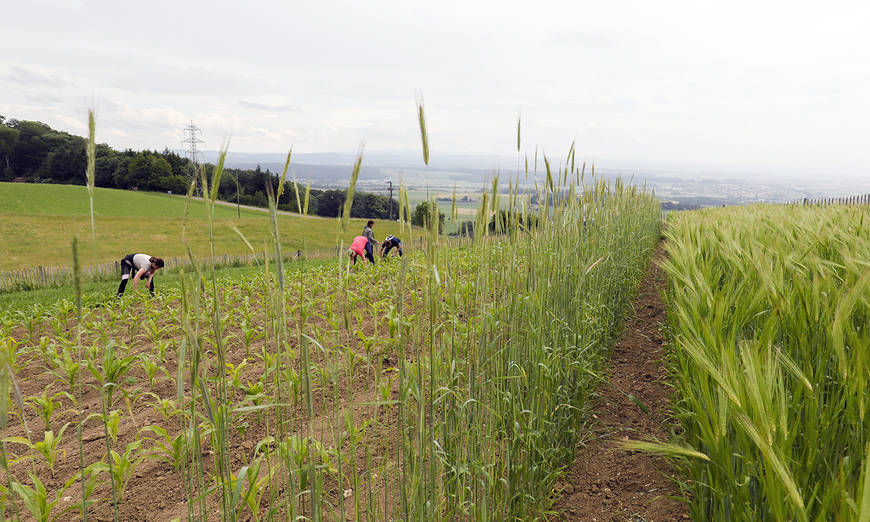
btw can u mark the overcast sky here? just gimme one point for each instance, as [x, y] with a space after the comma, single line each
[760, 84]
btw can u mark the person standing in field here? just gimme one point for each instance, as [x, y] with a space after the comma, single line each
[143, 265]
[368, 234]
[358, 249]
[389, 243]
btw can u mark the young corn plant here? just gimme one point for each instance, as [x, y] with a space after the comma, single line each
[48, 447]
[122, 468]
[45, 405]
[37, 500]
[151, 368]
[67, 371]
[108, 373]
[249, 489]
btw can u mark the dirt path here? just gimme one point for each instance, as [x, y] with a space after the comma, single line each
[606, 483]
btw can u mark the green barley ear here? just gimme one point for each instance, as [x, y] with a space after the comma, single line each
[482, 215]
[348, 202]
[519, 122]
[663, 448]
[403, 206]
[218, 172]
[284, 178]
[495, 194]
[307, 196]
[296, 190]
[433, 220]
[91, 151]
[190, 189]
[536, 161]
[571, 153]
[423, 135]
[407, 204]
[203, 178]
[453, 205]
[527, 166]
[550, 188]
[244, 240]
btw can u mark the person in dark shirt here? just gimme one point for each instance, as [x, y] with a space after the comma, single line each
[368, 234]
[390, 243]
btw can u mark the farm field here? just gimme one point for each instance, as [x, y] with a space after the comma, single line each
[40, 220]
[768, 308]
[463, 210]
[447, 384]
[102, 291]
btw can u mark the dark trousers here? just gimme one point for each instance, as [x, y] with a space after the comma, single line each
[128, 270]
[369, 253]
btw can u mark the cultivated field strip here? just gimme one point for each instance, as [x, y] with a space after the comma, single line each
[448, 384]
[768, 309]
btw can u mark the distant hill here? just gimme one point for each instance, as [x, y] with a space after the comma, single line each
[330, 170]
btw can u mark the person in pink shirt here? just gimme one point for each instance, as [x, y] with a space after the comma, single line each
[358, 249]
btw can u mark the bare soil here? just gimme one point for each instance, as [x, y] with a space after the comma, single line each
[155, 490]
[605, 482]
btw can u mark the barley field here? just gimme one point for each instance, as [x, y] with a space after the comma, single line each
[768, 310]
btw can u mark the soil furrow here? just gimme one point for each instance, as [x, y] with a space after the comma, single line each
[605, 482]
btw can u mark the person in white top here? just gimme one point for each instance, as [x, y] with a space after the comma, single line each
[143, 265]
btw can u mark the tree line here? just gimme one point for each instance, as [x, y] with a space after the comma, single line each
[33, 152]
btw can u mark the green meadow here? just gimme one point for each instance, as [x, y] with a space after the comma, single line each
[27, 199]
[41, 220]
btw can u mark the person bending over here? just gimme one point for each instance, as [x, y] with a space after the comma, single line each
[142, 265]
[389, 243]
[358, 249]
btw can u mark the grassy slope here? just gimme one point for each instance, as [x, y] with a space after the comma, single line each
[41, 220]
[72, 200]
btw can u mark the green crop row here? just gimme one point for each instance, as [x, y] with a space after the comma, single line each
[768, 309]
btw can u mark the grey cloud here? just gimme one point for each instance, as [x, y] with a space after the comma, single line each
[171, 79]
[32, 78]
[93, 67]
[43, 97]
